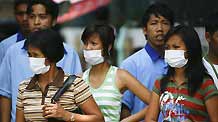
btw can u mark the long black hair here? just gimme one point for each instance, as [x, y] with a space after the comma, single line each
[194, 69]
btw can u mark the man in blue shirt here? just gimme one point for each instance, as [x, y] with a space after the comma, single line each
[42, 14]
[148, 64]
[20, 7]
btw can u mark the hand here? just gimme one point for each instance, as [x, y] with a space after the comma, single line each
[54, 111]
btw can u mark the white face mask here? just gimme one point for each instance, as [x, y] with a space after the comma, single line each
[37, 65]
[175, 58]
[93, 57]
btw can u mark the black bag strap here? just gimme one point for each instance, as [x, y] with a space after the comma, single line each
[68, 82]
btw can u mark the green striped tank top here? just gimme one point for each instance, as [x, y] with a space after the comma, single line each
[107, 96]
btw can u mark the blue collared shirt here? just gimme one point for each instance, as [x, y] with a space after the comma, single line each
[15, 68]
[146, 65]
[6, 43]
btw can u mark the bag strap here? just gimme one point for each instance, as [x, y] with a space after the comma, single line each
[68, 82]
[214, 69]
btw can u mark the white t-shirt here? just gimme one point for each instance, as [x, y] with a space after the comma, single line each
[211, 71]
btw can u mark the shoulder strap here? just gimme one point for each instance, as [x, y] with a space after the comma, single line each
[68, 82]
[214, 69]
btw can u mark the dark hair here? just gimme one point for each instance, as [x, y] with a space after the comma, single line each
[105, 32]
[18, 2]
[211, 25]
[49, 42]
[194, 69]
[50, 6]
[158, 9]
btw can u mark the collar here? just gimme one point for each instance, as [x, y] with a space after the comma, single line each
[58, 81]
[183, 83]
[25, 48]
[152, 52]
[20, 36]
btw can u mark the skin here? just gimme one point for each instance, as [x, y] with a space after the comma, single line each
[212, 40]
[176, 43]
[39, 19]
[90, 108]
[155, 30]
[21, 19]
[123, 79]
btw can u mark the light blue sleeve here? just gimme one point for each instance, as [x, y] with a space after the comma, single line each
[70, 63]
[2, 52]
[128, 96]
[5, 79]
[77, 64]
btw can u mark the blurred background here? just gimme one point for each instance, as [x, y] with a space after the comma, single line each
[125, 15]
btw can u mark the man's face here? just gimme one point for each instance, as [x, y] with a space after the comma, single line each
[39, 19]
[155, 30]
[21, 17]
[213, 43]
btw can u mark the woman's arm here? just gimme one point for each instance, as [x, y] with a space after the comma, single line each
[19, 116]
[153, 109]
[91, 112]
[212, 108]
[126, 81]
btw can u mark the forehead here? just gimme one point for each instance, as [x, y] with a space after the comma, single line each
[38, 9]
[93, 37]
[32, 49]
[175, 39]
[21, 7]
[157, 17]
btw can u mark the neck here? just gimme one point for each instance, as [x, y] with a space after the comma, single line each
[179, 75]
[212, 57]
[159, 49]
[100, 68]
[49, 76]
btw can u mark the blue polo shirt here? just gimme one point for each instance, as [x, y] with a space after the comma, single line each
[15, 68]
[6, 43]
[146, 65]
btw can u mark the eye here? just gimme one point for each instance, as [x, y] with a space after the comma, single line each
[166, 47]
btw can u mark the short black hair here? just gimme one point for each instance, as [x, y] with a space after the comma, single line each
[49, 42]
[18, 2]
[211, 23]
[158, 9]
[194, 70]
[105, 32]
[50, 6]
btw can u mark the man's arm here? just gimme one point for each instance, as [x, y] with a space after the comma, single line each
[5, 105]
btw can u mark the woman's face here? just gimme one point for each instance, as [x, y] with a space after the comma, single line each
[35, 52]
[93, 43]
[175, 42]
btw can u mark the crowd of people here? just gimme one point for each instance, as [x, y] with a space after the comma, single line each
[168, 80]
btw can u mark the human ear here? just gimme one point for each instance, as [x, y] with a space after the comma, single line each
[145, 30]
[208, 37]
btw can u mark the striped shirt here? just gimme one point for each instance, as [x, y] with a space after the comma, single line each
[31, 99]
[176, 105]
[107, 96]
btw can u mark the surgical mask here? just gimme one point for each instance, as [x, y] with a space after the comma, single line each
[175, 58]
[93, 57]
[37, 65]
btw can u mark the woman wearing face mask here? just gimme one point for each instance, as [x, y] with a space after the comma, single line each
[186, 93]
[45, 49]
[107, 82]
